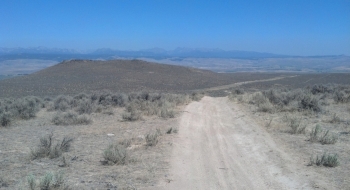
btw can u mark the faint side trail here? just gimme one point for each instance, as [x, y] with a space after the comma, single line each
[240, 83]
[218, 147]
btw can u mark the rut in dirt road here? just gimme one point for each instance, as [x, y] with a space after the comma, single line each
[220, 148]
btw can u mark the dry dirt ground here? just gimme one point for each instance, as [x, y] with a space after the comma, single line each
[220, 145]
[85, 171]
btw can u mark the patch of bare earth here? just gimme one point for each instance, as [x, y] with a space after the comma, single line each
[221, 145]
[85, 169]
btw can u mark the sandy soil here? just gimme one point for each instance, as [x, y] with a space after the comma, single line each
[220, 147]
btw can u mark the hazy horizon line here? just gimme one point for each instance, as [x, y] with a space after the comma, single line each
[87, 51]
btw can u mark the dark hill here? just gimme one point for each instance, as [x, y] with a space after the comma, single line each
[71, 77]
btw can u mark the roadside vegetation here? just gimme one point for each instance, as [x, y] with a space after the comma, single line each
[75, 110]
[58, 120]
[319, 113]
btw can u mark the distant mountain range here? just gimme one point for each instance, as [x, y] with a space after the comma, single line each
[107, 53]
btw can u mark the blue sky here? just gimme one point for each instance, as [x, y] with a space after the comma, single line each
[290, 27]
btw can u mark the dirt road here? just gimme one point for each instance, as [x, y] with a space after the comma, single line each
[218, 147]
[224, 87]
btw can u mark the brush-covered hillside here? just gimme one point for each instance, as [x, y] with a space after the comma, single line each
[75, 76]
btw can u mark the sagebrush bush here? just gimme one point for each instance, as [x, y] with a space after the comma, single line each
[258, 99]
[196, 96]
[328, 160]
[85, 106]
[308, 102]
[115, 154]
[5, 119]
[171, 130]
[335, 119]
[152, 138]
[266, 107]
[341, 97]
[50, 181]
[167, 113]
[315, 133]
[321, 89]
[63, 103]
[324, 137]
[21, 108]
[46, 147]
[71, 118]
[133, 115]
[26, 108]
[145, 103]
[296, 126]
[328, 138]
[238, 91]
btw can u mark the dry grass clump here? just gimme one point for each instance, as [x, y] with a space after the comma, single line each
[71, 118]
[46, 147]
[328, 160]
[50, 181]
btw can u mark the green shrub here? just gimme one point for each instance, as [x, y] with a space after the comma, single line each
[328, 160]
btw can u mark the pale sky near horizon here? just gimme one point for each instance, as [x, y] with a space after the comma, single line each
[289, 27]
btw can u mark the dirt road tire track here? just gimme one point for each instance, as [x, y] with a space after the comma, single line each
[218, 147]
